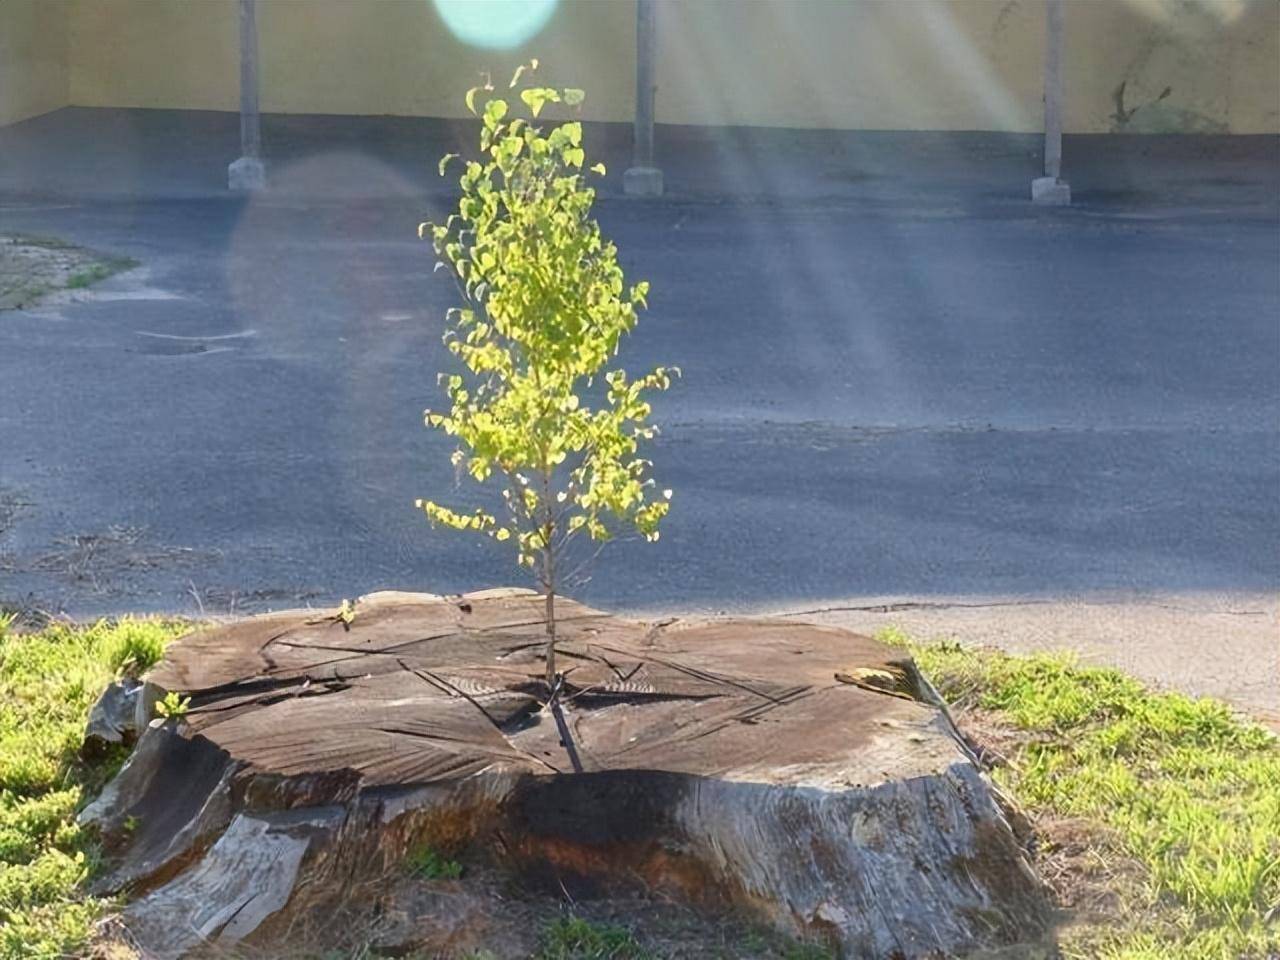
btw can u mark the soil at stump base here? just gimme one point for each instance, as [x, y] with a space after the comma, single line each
[801, 774]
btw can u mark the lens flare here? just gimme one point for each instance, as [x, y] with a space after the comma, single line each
[495, 24]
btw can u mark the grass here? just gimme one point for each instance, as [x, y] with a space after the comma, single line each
[427, 864]
[83, 278]
[1188, 791]
[48, 682]
[573, 938]
[578, 938]
[107, 266]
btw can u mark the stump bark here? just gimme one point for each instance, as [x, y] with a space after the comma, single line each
[797, 771]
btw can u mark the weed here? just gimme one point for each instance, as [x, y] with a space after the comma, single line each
[135, 646]
[173, 705]
[573, 938]
[427, 864]
[806, 951]
[99, 270]
[83, 278]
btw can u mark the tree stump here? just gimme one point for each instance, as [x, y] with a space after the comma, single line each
[797, 771]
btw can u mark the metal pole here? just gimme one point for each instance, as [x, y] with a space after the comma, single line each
[1051, 189]
[1053, 91]
[250, 137]
[644, 179]
[248, 173]
[645, 61]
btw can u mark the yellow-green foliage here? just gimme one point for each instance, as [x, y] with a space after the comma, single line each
[48, 682]
[1192, 792]
[544, 308]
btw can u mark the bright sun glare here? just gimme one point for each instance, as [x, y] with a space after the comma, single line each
[495, 24]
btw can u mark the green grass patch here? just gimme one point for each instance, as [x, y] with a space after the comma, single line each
[100, 270]
[427, 863]
[48, 682]
[1190, 791]
[83, 278]
[573, 938]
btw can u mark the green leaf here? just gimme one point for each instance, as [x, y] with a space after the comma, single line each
[444, 162]
[533, 100]
[471, 99]
[494, 111]
[573, 96]
[536, 97]
[598, 168]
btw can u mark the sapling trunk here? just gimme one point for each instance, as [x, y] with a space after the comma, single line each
[549, 585]
[551, 637]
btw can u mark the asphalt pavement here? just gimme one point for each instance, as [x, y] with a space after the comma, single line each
[908, 395]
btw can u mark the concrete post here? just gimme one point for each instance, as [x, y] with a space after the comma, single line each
[1051, 189]
[248, 173]
[644, 179]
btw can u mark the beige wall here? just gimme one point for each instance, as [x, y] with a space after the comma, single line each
[33, 58]
[1218, 60]
[970, 64]
[333, 56]
[870, 64]
[154, 53]
[876, 65]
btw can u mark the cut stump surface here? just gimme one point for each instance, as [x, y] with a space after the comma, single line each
[797, 771]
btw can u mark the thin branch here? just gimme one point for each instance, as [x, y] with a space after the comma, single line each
[586, 561]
